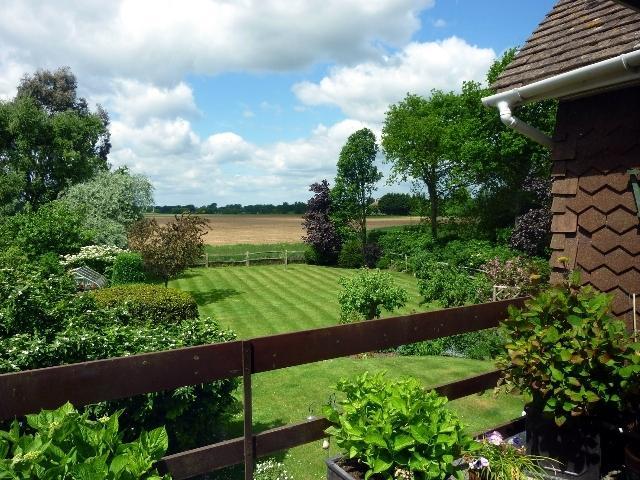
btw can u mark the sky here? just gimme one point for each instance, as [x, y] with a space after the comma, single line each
[243, 101]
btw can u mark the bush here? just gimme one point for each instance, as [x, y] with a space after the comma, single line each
[395, 204]
[128, 268]
[351, 254]
[148, 303]
[97, 257]
[481, 345]
[390, 425]
[366, 293]
[450, 287]
[567, 353]
[194, 415]
[63, 443]
[53, 228]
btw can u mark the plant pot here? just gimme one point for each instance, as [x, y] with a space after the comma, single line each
[632, 461]
[576, 445]
[336, 472]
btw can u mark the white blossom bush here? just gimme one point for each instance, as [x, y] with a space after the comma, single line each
[98, 257]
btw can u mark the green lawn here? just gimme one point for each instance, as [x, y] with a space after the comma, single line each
[265, 300]
[269, 299]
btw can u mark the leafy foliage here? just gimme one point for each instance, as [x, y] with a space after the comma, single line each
[110, 203]
[168, 249]
[148, 303]
[518, 275]
[98, 257]
[355, 182]
[351, 255]
[450, 287]
[566, 352]
[395, 204]
[53, 228]
[271, 470]
[390, 424]
[67, 444]
[128, 267]
[481, 345]
[49, 140]
[365, 294]
[321, 234]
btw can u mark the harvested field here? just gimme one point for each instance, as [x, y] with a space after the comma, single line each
[231, 229]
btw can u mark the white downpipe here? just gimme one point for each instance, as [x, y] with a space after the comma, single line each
[522, 127]
[615, 71]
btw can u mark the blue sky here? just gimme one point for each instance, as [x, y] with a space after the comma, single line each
[250, 102]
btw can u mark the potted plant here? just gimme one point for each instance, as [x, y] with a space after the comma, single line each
[394, 429]
[575, 362]
[500, 459]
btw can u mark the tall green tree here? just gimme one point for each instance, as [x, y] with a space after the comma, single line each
[49, 140]
[355, 182]
[110, 203]
[418, 141]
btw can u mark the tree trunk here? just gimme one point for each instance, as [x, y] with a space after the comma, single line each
[363, 227]
[433, 199]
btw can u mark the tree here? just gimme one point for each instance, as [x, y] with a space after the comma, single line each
[417, 142]
[49, 140]
[321, 232]
[365, 294]
[111, 202]
[395, 203]
[168, 250]
[355, 182]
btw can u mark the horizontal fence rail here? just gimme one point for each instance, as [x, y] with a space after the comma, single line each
[111, 379]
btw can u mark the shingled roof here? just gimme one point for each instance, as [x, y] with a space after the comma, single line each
[574, 34]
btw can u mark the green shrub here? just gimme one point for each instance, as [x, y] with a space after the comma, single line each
[148, 303]
[53, 228]
[128, 267]
[97, 257]
[450, 286]
[364, 295]
[351, 254]
[193, 415]
[567, 353]
[388, 425]
[481, 345]
[67, 444]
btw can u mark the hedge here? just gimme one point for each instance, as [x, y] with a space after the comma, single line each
[148, 303]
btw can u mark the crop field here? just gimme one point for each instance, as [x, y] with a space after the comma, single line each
[265, 300]
[267, 229]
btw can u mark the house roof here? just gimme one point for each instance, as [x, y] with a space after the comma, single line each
[574, 34]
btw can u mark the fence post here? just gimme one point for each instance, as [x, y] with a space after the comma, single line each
[246, 258]
[406, 263]
[249, 444]
[206, 260]
[286, 258]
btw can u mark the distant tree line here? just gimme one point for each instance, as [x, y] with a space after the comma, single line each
[297, 208]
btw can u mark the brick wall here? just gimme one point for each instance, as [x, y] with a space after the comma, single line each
[595, 219]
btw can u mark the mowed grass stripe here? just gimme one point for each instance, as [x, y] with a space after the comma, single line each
[321, 293]
[276, 299]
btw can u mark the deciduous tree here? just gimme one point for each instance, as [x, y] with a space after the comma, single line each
[110, 203]
[321, 232]
[49, 139]
[168, 250]
[355, 182]
[365, 295]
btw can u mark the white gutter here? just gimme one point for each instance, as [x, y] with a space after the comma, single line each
[615, 71]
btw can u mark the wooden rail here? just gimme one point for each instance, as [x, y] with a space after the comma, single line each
[115, 378]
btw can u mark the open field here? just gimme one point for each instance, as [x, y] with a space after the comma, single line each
[265, 300]
[264, 229]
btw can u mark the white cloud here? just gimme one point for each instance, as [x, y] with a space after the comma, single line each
[364, 91]
[136, 102]
[161, 41]
[187, 168]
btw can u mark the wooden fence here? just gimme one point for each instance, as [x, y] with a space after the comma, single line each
[247, 258]
[115, 378]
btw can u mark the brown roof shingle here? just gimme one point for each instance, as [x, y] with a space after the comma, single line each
[574, 34]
